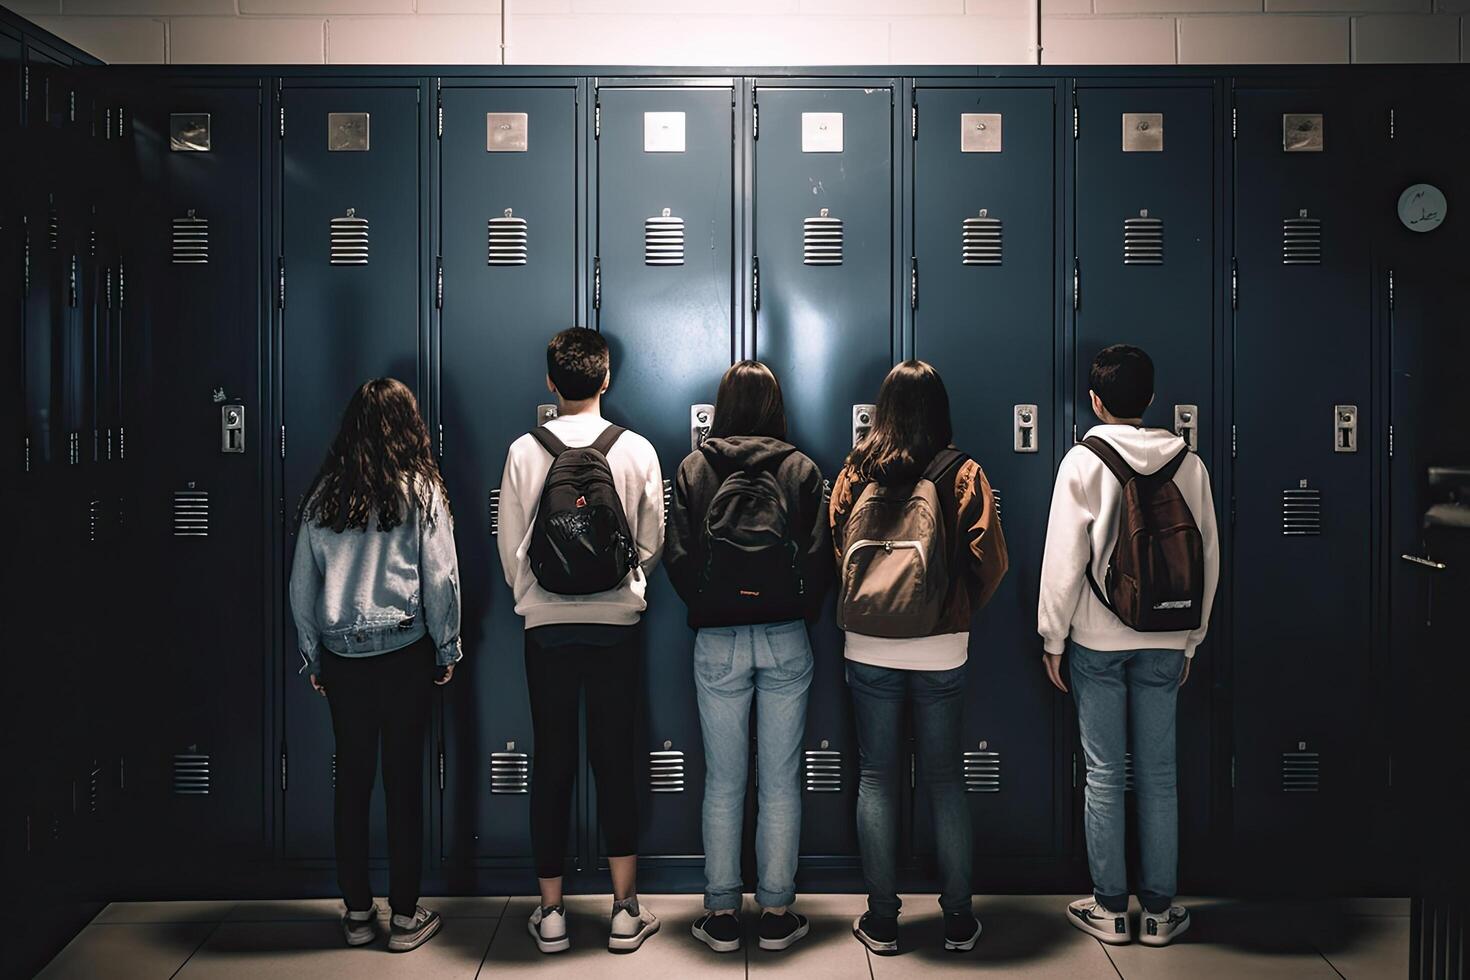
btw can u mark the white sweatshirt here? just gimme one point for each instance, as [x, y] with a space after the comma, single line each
[1084, 525]
[639, 484]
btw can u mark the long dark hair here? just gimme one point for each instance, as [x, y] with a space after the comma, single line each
[749, 403]
[910, 426]
[379, 461]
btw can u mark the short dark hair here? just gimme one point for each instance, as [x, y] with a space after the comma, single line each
[1122, 376]
[749, 403]
[576, 362]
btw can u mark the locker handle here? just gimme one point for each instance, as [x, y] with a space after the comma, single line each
[1438, 566]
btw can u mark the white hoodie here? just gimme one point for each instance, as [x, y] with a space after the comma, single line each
[1084, 525]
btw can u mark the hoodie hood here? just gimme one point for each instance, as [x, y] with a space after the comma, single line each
[1146, 450]
[732, 453]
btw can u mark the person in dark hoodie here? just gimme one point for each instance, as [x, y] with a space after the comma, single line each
[746, 549]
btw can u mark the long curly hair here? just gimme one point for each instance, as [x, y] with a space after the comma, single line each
[380, 460]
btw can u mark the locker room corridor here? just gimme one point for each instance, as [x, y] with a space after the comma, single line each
[1364, 939]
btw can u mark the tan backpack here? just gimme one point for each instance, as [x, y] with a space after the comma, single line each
[895, 574]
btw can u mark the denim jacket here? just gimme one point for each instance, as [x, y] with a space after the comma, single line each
[362, 593]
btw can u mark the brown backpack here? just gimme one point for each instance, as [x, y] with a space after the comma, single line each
[895, 568]
[1156, 573]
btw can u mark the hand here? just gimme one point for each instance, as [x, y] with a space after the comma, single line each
[1053, 663]
[1184, 676]
[318, 686]
[448, 674]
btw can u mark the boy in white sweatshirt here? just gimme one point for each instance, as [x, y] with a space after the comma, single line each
[1126, 682]
[583, 643]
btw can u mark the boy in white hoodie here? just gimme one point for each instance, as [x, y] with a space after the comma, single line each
[1126, 682]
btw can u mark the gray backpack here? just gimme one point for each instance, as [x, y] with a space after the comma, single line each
[894, 575]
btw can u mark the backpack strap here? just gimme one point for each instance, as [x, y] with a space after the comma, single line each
[1166, 473]
[549, 441]
[944, 461]
[1111, 458]
[609, 436]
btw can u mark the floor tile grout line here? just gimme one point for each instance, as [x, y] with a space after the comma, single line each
[1331, 965]
[499, 921]
[1104, 947]
[208, 936]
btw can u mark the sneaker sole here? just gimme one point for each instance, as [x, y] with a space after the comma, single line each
[966, 945]
[1110, 938]
[776, 945]
[552, 946]
[396, 945]
[630, 944]
[1157, 941]
[718, 945]
[882, 949]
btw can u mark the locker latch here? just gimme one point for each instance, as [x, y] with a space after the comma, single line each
[1345, 428]
[1186, 425]
[862, 422]
[232, 428]
[545, 413]
[1023, 419]
[701, 417]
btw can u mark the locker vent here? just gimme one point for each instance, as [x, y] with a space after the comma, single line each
[666, 771]
[349, 239]
[1143, 240]
[1301, 240]
[510, 773]
[982, 772]
[821, 240]
[191, 774]
[663, 240]
[1127, 772]
[668, 500]
[1301, 772]
[94, 521]
[508, 239]
[1301, 512]
[191, 240]
[494, 512]
[94, 788]
[334, 770]
[191, 513]
[823, 770]
[995, 502]
[981, 242]
[53, 227]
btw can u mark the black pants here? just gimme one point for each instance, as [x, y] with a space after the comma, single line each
[560, 663]
[381, 698]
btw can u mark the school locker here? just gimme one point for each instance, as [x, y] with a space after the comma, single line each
[349, 285]
[1306, 430]
[511, 247]
[663, 294]
[1145, 272]
[985, 311]
[825, 303]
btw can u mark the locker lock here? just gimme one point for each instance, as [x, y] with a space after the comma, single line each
[232, 428]
[1345, 428]
[545, 413]
[701, 417]
[862, 422]
[1023, 419]
[1186, 425]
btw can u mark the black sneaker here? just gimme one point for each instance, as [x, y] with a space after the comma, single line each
[720, 933]
[961, 931]
[780, 931]
[877, 932]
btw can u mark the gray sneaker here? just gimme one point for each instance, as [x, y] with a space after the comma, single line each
[1089, 915]
[412, 932]
[359, 931]
[1164, 928]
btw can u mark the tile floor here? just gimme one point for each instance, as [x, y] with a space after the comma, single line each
[1025, 936]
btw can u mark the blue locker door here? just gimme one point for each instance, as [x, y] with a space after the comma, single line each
[1303, 530]
[341, 325]
[1145, 230]
[984, 219]
[500, 307]
[666, 152]
[824, 240]
[197, 738]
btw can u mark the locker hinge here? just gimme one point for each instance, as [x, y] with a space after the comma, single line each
[441, 440]
[755, 120]
[441, 768]
[26, 236]
[914, 121]
[755, 282]
[439, 282]
[1390, 289]
[1076, 284]
[1232, 772]
[1390, 441]
[1074, 770]
[1234, 122]
[1076, 122]
[1390, 124]
[1234, 284]
[913, 771]
[597, 118]
[283, 440]
[26, 84]
[280, 283]
[914, 282]
[72, 286]
[1232, 440]
[439, 106]
[283, 122]
[28, 453]
[597, 282]
[283, 767]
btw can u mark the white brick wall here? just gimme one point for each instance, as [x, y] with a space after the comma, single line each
[758, 32]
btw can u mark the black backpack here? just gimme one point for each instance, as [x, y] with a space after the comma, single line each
[580, 542]
[752, 564]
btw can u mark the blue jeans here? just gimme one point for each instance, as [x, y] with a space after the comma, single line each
[773, 663]
[938, 698]
[1125, 702]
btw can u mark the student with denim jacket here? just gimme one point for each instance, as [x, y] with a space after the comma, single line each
[747, 552]
[375, 596]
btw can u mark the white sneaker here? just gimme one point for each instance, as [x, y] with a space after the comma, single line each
[630, 927]
[1088, 915]
[549, 928]
[1164, 928]
[360, 929]
[408, 933]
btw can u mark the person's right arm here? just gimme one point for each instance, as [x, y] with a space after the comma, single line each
[1064, 562]
[514, 518]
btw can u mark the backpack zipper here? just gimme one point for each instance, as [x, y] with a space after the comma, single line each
[916, 546]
